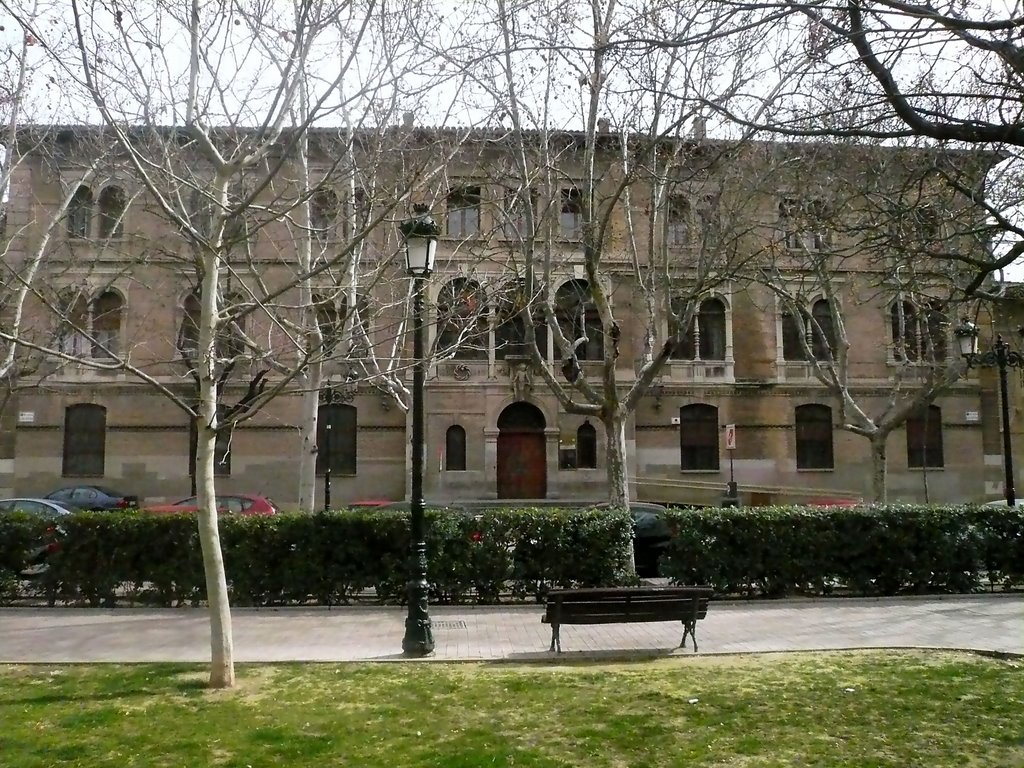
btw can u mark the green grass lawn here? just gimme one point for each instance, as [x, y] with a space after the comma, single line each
[831, 709]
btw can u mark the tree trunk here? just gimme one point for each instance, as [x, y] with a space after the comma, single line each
[615, 460]
[222, 665]
[308, 430]
[879, 468]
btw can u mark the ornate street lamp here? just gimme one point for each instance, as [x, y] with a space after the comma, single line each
[1001, 357]
[420, 235]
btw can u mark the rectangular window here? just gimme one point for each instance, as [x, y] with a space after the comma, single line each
[336, 439]
[571, 218]
[698, 437]
[677, 222]
[464, 212]
[515, 221]
[814, 437]
[924, 438]
[85, 439]
[803, 224]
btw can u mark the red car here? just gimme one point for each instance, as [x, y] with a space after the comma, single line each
[227, 504]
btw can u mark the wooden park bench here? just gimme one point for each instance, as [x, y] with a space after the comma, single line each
[624, 605]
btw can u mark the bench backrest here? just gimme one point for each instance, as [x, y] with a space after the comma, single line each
[639, 604]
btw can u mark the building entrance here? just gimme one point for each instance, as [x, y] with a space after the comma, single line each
[522, 457]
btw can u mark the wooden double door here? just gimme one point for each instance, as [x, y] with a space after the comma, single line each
[522, 453]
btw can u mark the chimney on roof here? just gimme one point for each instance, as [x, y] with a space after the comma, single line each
[408, 119]
[603, 124]
[700, 127]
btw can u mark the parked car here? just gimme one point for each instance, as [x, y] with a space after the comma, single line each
[46, 509]
[651, 534]
[227, 504]
[1017, 503]
[94, 497]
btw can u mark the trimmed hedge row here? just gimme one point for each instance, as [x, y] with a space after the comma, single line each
[883, 550]
[331, 558]
[106, 558]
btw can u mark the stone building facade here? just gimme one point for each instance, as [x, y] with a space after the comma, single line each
[493, 427]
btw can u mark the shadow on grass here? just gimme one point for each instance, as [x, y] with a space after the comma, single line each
[618, 655]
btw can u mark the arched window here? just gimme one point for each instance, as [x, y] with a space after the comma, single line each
[106, 324]
[357, 323]
[336, 439]
[706, 333]
[112, 204]
[905, 327]
[80, 213]
[462, 320]
[329, 322]
[73, 327]
[824, 334]
[711, 320]
[510, 330]
[85, 439]
[814, 437]
[685, 346]
[924, 438]
[792, 337]
[455, 449]
[698, 437]
[578, 318]
[323, 214]
[918, 333]
[586, 446]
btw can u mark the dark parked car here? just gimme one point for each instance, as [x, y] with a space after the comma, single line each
[94, 497]
[651, 534]
[46, 509]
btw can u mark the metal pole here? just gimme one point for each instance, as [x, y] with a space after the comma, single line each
[1002, 358]
[419, 638]
[327, 467]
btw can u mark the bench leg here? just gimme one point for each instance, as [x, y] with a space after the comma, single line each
[556, 641]
[689, 628]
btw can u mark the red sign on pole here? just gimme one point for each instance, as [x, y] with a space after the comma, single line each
[730, 437]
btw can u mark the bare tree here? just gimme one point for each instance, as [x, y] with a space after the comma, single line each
[601, 146]
[862, 238]
[209, 109]
[889, 72]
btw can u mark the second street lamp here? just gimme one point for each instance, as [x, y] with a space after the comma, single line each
[1000, 357]
[420, 248]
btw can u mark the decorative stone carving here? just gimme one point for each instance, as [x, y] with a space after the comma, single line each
[521, 379]
[462, 372]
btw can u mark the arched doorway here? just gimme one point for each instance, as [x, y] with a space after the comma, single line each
[522, 459]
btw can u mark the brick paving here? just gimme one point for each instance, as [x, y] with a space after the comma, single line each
[993, 623]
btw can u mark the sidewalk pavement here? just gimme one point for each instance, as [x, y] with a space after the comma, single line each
[993, 623]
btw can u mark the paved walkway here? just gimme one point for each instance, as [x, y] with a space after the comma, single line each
[359, 633]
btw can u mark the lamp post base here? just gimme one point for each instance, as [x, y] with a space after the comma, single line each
[419, 635]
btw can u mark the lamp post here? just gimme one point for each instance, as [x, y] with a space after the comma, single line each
[327, 467]
[1002, 357]
[420, 248]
